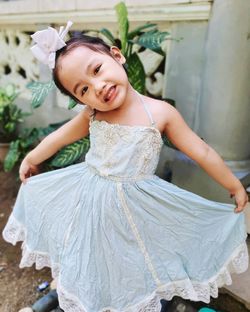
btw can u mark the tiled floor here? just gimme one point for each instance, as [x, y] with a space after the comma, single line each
[240, 288]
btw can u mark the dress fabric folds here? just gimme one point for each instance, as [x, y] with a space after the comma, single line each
[117, 237]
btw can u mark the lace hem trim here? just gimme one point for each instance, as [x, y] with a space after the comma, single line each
[187, 289]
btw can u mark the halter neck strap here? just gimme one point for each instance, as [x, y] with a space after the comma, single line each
[147, 110]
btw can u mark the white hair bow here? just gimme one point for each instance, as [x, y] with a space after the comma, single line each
[48, 41]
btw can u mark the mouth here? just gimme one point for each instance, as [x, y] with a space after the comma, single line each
[110, 94]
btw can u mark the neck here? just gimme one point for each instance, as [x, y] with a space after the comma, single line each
[131, 97]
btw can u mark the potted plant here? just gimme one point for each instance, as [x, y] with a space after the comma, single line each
[10, 117]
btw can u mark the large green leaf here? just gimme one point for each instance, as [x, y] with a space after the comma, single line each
[123, 24]
[152, 40]
[40, 90]
[136, 73]
[70, 153]
[139, 29]
[12, 156]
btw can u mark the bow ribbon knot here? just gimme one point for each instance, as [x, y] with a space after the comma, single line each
[48, 41]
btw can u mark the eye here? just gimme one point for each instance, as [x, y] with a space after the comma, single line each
[97, 69]
[84, 90]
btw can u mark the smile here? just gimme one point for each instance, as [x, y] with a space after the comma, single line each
[110, 94]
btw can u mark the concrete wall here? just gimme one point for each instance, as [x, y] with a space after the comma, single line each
[208, 75]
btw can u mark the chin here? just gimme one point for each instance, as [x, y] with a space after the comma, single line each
[115, 103]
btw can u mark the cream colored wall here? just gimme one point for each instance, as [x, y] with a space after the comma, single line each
[29, 13]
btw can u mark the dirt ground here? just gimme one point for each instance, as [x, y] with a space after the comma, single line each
[17, 286]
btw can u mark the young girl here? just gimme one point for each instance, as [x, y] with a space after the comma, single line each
[116, 236]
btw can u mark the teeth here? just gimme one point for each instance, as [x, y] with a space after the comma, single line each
[107, 97]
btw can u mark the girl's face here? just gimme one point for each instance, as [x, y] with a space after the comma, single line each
[94, 78]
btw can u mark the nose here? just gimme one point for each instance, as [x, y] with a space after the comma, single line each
[99, 86]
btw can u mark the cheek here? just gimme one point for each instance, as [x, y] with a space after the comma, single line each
[117, 68]
[122, 75]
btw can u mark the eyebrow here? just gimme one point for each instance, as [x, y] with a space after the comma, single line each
[78, 84]
[76, 87]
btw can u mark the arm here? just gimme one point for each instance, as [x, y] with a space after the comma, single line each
[194, 147]
[70, 132]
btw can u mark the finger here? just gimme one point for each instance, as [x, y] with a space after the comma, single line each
[236, 210]
[22, 177]
[239, 208]
[35, 171]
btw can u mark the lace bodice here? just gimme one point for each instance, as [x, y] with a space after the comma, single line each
[123, 151]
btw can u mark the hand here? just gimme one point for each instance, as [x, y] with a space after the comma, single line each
[241, 199]
[27, 169]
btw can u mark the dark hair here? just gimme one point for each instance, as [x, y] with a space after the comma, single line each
[93, 43]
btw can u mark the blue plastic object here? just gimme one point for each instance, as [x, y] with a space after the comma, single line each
[46, 303]
[206, 310]
[43, 286]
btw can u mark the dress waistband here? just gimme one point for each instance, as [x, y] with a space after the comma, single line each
[108, 176]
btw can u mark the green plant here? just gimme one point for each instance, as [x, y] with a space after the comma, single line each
[30, 137]
[10, 115]
[146, 36]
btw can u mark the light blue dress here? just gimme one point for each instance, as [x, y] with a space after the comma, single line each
[117, 237]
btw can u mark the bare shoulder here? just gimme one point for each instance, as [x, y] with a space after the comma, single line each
[162, 112]
[81, 121]
[84, 115]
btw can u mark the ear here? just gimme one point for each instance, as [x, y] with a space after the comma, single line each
[116, 53]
